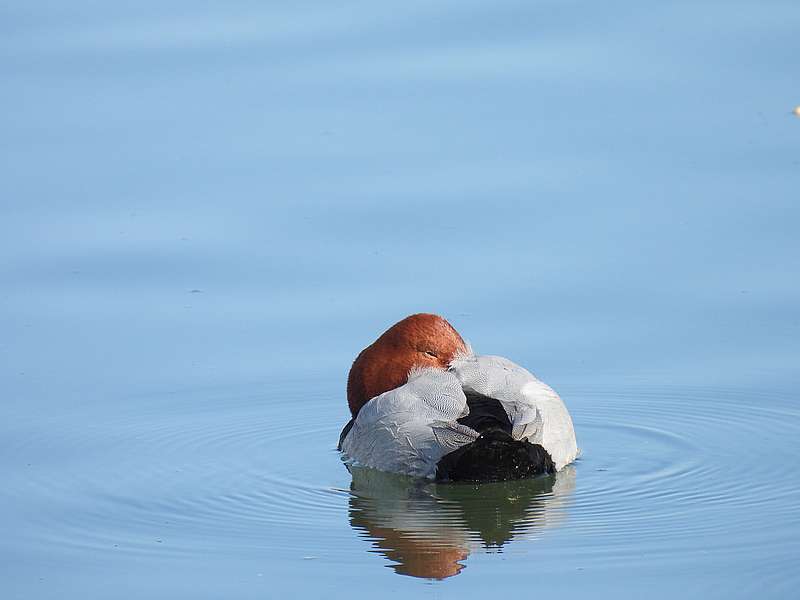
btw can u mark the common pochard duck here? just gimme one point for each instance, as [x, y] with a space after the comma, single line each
[424, 404]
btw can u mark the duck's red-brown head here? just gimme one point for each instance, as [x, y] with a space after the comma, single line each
[421, 340]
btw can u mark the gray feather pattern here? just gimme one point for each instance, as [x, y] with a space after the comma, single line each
[536, 412]
[409, 429]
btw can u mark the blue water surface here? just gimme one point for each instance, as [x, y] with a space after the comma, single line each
[208, 208]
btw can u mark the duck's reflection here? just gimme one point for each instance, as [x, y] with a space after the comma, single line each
[429, 529]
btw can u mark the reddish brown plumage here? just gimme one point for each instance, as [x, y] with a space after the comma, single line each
[421, 340]
[417, 555]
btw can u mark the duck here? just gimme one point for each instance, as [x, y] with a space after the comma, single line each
[425, 405]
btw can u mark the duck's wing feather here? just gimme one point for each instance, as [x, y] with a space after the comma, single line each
[409, 429]
[535, 411]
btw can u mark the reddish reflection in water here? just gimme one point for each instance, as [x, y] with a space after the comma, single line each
[428, 530]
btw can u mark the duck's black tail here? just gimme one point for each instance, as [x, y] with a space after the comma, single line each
[495, 455]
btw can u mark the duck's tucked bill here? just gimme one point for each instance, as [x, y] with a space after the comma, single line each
[424, 404]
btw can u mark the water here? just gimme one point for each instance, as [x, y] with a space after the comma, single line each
[209, 209]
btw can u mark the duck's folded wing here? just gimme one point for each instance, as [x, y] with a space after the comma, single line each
[536, 412]
[408, 429]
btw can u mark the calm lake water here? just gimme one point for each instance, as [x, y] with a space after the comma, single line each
[207, 209]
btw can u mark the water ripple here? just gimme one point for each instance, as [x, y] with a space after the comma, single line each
[679, 470]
